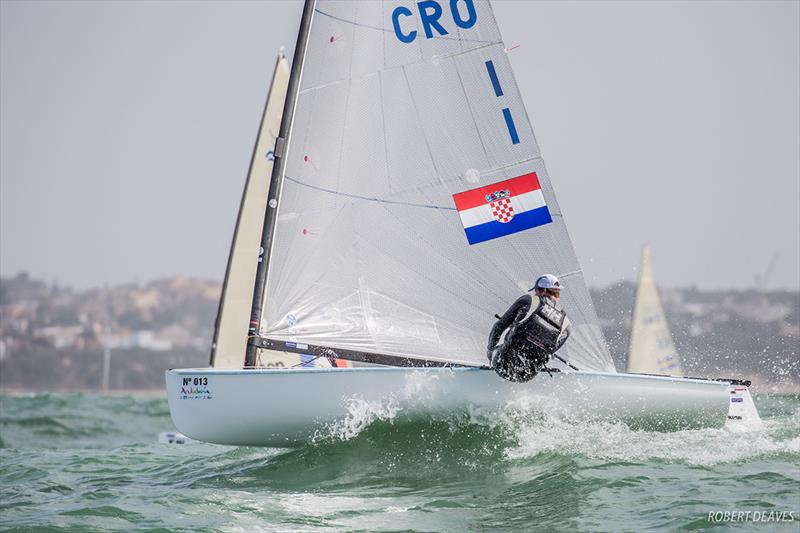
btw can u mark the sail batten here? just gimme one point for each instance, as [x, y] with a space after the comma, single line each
[397, 114]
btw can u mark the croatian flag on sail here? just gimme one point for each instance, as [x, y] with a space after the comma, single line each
[502, 208]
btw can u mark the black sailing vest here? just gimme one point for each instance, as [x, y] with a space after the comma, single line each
[542, 325]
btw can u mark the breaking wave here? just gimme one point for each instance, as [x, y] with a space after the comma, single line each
[528, 430]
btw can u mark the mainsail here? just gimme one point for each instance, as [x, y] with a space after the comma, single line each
[230, 333]
[415, 203]
[651, 350]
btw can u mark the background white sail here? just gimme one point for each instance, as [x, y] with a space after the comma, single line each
[394, 116]
[230, 335]
[651, 350]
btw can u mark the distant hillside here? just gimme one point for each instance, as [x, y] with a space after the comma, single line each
[52, 337]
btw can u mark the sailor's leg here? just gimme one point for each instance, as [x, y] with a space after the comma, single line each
[500, 361]
[512, 364]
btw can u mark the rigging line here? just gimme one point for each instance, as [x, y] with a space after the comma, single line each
[462, 52]
[578, 272]
[486, 287]
[361, 25]
[304, 363]
[509, 165]
[367, 198]
[376, 199]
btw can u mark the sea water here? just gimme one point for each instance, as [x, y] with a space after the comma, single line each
[90, 462]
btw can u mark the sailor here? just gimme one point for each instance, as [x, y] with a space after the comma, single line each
[534, 331]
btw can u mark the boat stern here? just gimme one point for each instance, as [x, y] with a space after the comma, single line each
[742, 412]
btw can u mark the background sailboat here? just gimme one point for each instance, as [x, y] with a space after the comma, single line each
[408, 203]
[230, 332]
[651, 349]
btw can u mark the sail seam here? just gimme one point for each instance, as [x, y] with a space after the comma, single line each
[514, 164]
[346, 114]
[367, 198]
[472, 113]
[385, 143]
[419, 121]
[378, 200]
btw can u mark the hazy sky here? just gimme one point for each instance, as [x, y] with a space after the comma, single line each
[126, 130]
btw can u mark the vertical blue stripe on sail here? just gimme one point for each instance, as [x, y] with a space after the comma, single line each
[498, 91]
[512, 129]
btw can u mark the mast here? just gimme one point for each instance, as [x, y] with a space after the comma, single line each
[279, 166]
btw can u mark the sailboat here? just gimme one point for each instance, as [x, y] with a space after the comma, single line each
[650, 349]
[403, 202]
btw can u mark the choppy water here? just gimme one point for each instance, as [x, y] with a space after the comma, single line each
[85, 462]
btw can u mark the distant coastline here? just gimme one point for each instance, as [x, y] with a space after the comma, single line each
[53, 337]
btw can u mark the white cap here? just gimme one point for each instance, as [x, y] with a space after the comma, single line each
[548, 281]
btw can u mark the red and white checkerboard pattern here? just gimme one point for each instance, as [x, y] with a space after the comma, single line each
[502, 210]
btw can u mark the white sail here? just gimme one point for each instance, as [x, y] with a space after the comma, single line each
[230, 335]
[412, 204]
[403, 105]
[651, 350]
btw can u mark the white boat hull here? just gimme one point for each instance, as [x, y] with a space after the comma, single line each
[267, 407]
